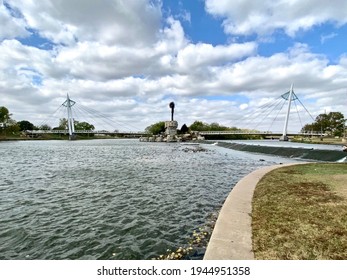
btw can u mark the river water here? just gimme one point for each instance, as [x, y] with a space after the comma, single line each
[111, 199]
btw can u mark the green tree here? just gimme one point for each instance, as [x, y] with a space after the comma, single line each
[12, 127]
[5, 115]
[83, 126]
[8, 126]
[156, 128]
[25, 125]
[218, 127]
[332, 124]
[336, 123]
[62, 124]
[184, 129]
[45, 127]
[78, 125]
[199, 126]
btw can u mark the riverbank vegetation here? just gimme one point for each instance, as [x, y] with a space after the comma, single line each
[300, 212]
[332, 124]
[197, 126]
[13, 130]
[320, 140]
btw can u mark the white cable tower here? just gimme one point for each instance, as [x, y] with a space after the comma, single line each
[70, 122]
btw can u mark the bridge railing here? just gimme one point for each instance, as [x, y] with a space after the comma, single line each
[240, 132]
[84, 132]
[232, 132]
[315, 133]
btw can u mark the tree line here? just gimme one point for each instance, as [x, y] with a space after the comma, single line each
[331, 124]
[159, 128]
[9, 126]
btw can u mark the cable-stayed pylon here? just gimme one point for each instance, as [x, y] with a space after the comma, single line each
[262, 117]
[70, 121]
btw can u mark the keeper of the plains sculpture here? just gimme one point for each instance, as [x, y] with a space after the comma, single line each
[171, 126]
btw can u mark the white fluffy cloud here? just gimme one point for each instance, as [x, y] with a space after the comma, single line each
[205, 55]
[245, 17]
[122, 22]
[11, 26]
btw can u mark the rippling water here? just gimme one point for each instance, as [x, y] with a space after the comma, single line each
[110, 199]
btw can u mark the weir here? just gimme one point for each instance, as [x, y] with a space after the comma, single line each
[289, 152]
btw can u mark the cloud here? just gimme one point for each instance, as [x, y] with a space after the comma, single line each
[243, 106]
[246, 17]
[185, 16]
[324, 38]
[97, 61]
[11, 27]
[122, 22]
[20, 70]
[205, 55]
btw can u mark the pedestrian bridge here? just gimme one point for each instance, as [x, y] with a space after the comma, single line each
[260, 133]
[267, 109]
[202, 133]
[94, 132]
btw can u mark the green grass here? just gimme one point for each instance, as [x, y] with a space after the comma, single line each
[300, 212]
[318, 140]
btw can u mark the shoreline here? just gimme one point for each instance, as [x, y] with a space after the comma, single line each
[231, 238]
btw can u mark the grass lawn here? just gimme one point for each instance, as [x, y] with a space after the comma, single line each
[318, 140]
[300, 212]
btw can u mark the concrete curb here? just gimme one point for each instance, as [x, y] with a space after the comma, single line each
[232, 235]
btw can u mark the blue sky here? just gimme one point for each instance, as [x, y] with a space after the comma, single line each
[219, 61]
[199, 26]
[35, 40]
[326, 38]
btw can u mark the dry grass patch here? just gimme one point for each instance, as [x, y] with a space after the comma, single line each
[300, 212]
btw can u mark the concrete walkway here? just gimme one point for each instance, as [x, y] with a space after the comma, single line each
[232, 235]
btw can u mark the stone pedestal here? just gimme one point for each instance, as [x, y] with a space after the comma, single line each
[171, 131]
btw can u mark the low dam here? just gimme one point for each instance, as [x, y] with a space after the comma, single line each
[314, 154]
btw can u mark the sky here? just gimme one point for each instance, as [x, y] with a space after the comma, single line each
[224, 61]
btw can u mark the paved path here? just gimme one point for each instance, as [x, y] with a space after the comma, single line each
[232, 235]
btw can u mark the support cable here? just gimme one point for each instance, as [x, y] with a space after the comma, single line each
[306, 109]
[261, 121]
[264, 112]
[279, 111]
[95, 118]
[260, 111]
[107, 119]
[48, 121]
[297, 111]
